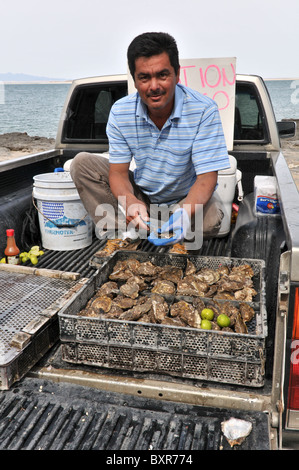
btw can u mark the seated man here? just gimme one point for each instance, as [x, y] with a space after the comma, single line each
[175, 136]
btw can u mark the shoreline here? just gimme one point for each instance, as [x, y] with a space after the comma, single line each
[20, 144]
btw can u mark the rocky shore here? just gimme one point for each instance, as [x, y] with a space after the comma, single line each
[18, 144]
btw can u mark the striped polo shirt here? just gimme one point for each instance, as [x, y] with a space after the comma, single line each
[190, 143]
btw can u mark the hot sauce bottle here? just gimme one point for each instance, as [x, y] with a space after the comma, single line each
[11, 251]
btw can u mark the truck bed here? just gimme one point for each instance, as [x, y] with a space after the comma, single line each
[73, 407]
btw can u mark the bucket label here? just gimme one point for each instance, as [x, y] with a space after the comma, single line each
[64, 225]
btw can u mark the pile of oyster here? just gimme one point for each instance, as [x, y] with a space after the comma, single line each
[145, 292]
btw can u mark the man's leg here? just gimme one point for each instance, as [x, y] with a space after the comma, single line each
[90, 174]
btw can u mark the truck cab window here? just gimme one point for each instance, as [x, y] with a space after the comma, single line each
[249, 122]
[89, 110]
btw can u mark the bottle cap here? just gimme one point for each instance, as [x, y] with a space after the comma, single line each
[10, 232]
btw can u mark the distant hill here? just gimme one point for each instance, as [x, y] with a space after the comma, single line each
[22, 77]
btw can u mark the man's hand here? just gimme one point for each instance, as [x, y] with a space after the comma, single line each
[172, 231]
[137, 214]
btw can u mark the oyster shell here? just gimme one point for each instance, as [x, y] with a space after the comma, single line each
[159, 309]
[186, 312]
[100, 304]
[246, 294]
[208, 275]
[163, 286]
[108, 288]
[247, 312]
[130, 289]
[240, 325]
[236, 430]
[191, 285]
[171, 273]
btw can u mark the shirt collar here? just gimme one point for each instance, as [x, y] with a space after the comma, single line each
[141, 109]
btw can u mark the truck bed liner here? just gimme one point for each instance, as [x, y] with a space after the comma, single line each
[42, 415]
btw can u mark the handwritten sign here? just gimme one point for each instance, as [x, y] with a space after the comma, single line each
[215, 78]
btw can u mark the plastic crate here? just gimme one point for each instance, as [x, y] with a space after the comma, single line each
[179, 351]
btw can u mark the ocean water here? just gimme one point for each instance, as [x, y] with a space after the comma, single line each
[32, 108]
[36, 108]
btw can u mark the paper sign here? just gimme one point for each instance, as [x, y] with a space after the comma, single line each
[215, 78]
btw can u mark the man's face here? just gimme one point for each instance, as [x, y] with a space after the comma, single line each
[155, 81]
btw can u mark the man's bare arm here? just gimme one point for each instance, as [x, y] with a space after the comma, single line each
[200, 192]
[121, 187]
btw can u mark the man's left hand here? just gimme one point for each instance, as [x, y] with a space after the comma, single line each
[172, 231]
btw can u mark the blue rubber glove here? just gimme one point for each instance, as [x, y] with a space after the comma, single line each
[172, 231]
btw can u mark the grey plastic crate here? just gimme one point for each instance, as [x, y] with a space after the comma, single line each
[179, 351]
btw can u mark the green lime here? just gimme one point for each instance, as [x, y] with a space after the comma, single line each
[33, 259]
[206, 325]
[223, 320]
[207, 314]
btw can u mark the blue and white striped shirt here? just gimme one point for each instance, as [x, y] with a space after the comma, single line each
[190, 143]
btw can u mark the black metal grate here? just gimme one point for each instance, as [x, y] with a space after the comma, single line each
[40, 415]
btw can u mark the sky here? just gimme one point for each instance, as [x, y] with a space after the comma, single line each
[71, 39]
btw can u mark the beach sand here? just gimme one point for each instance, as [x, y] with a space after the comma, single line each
[18, 144]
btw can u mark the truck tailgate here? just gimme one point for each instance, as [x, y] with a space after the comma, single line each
[43, 415]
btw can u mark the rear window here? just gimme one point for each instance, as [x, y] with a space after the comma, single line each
[249, 115]
[88, 112]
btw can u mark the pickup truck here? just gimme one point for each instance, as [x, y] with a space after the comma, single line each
[48, 403]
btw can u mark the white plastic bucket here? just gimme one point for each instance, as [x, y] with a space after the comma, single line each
[63, 220]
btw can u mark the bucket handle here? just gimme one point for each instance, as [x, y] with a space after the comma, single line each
[52, 221]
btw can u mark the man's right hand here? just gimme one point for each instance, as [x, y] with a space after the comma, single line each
[137, 214]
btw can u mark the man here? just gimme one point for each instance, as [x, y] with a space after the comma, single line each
[176, 139]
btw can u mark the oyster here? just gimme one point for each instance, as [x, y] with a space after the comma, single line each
[173, 321]
[124, 302]
[226, 284]
[223, 270]
[162, 286]
[147, 268]
[191, 285]
[130, 289]
[240, 325]
[186, 312]
[190, 268]
[246, 294]
[120, 271]
[178, 248]
[236, 430]
[159, 309]
[113, 245]
[137, 311]
[244, 269]
[231, 311]
[100, 304]
[247, 312]
[224, 295]
[210, 276]
[108, 288]
[198, 303]
[171, 273]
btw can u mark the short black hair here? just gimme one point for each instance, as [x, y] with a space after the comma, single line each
[149, 44]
